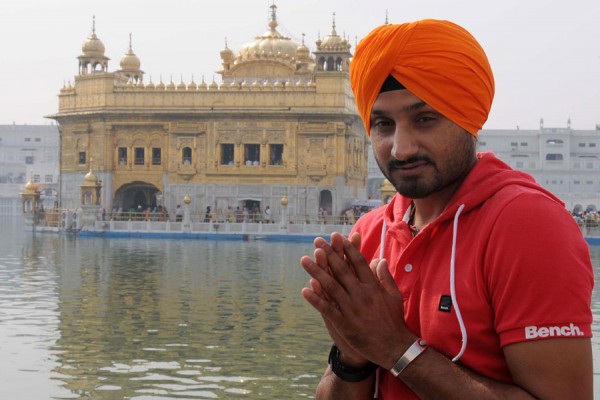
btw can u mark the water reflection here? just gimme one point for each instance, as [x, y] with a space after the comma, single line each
[157, 319]
[160, 319]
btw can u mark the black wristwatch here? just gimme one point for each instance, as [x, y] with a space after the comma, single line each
[346, 373]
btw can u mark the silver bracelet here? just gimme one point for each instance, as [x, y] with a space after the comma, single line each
[409, 355]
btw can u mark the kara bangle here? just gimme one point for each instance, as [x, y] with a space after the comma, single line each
[409, 355]
[346, 373]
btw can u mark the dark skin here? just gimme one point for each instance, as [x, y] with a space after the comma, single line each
[416, 148]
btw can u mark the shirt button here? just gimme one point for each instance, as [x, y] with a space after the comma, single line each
[408, 267]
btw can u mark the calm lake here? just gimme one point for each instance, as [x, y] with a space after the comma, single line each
[161, 319]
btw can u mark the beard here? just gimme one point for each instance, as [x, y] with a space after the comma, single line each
[444, 172]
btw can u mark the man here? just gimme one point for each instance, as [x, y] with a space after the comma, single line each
[473, 282]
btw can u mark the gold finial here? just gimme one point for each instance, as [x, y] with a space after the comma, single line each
[386, 17]
[273, 20]
[333, 25]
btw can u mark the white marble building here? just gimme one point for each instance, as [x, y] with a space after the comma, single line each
[28, 151]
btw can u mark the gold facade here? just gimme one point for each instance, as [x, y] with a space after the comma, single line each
[281, 122]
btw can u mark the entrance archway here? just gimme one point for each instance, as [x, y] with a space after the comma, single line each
[326, 201]
[137, 195]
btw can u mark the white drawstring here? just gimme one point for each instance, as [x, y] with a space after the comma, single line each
[381, 257]
[382, 241]
[461, 323]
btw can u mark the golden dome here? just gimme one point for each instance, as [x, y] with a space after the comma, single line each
[92, 45]
[90, 179]
[303, 52]
[130, 62]
[271, 44]
[333, 42]
[227, 53]
[30, 187]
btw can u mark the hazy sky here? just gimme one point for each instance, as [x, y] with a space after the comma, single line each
[545, 53]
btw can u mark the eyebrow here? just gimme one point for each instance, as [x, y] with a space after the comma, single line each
[408, 108]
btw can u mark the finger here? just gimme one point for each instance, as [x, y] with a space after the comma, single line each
[373, 266]
[385, 278]
[315, 286]
[337, 244]
[328, 283]
[321, 259]
[319, 242]
[340, 269]
[358, 262]
[328, 309]
[355, 240]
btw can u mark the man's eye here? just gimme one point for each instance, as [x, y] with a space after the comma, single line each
[425, 118]
[383, 123]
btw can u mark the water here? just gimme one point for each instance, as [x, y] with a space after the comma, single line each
[161, 319]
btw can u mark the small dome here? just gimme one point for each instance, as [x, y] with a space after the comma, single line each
[130, 62]
[92, 45]
[90, 179]
[302, 52]
[187, 199]
[30, 187]
[227, 53]
[333, 42]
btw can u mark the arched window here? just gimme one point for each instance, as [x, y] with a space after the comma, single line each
[186, 156]
[321, 65]
[330, 64]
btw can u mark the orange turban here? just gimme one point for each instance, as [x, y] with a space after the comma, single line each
[438, 61]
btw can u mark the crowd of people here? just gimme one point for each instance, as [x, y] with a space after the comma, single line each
[587, 218]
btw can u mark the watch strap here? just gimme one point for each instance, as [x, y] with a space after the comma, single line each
[345, 372]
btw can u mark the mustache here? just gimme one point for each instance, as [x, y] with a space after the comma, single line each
[392, 164]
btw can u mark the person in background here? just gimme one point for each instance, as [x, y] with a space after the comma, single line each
[473, 282]
[267, 216]
[178, 213]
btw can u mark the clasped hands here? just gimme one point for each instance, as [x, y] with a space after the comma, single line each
[360, 303]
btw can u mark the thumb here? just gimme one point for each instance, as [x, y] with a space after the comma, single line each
[385, 278]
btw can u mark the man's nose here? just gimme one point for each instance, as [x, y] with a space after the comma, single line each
[404, 145]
